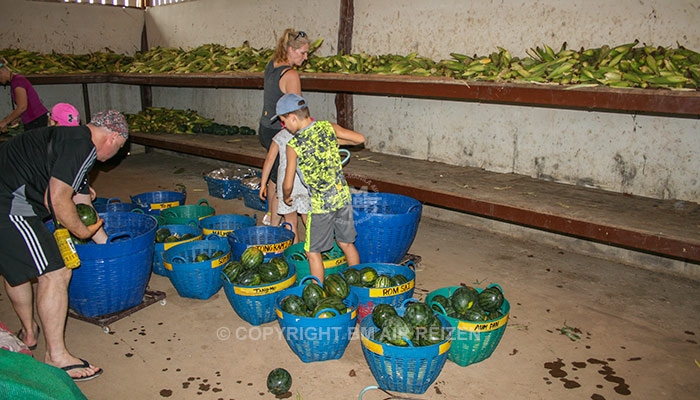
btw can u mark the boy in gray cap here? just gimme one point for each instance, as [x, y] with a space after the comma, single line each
[45, 173]
[313, 152]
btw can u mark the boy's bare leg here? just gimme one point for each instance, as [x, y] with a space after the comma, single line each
[275, 218]
[351, 254]
[292, 219]
[316, 265]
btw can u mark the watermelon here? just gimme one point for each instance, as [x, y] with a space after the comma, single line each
[463, 299]
[171, 238]
[162, 234]
[419, 315]
[279, 381]
[217, 254]
[232, 270]
[282, 266]
[430, 335]
[250, 277]
[201, 257]
[86, 213]
[474, 314]
[382, 281]
[298, 257]
[352, 277]
[381, 312]
[442, 300]
[312, 294]
[332, 303]
[294, 304]
[252, 257]
[269, 273]
[367, 276]
[380, 337]
[494, 315]
[325, 256]
[397, 330]
[335, 285]
[398, 279]
[186, 236]
[491, 299]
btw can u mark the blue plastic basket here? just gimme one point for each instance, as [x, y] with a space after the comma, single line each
[154, 202]
[473, 342]
[224, 224]
[251, 199]
[394, 295]
[196, 280]
[256, 304]
[386, 225]
[116, 205]
[335, 261]
[224, 188]
[271, 240]
[99, 201]
[403, 369]
[159, 248]
[316, 339]
[112, 277]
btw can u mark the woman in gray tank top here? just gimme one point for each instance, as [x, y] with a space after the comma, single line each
[280, 78]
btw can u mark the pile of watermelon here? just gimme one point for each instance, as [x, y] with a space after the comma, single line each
[367, 277]
[252, 271]
[317, 301]
[468, 304]
[419, 325]
[326, 255]
[163, 235]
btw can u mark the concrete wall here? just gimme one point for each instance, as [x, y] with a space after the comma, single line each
[643, 155]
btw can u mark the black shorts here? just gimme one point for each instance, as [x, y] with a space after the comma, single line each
[41, 121]
[265, 135]
[27, 249]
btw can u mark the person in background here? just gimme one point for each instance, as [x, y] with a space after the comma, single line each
[28, 106]
[280, 78]
[314, 153]
[45, 173]
[64, 114]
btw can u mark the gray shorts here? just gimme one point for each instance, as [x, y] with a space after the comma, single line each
[323, 229]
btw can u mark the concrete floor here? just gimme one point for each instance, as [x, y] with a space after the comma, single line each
[639, 329]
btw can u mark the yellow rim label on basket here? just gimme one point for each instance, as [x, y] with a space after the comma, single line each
[166, 246]
[220, 232]
[279, 313]
[273, 248]
[371, 346]
[221, 261]
[160, 206]
[482, 326]
[444, 347]
[334, 263]
[209, 215]
[259, 291]
[168, 266]
[353, 314]
[391, 291]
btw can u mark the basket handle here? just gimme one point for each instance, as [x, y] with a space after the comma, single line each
[114, 200]
[327, 309]
[203, 201]
[224, 278]
[307, 277]
[180, 259]
[435, 303]
[137, 210]
[347, 156]
[410, 264]
[213, 236]
[410, 209]
[159, 219]
[168, 213]
[407, 340]
[496, 285]
[182, 188]
[286, 225]
[118, 235]
[367, 389]
[409, 300]
[295, 253]
[230, 236]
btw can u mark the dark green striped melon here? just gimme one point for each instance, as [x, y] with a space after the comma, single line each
[396, 329]
[186, 236]
[432, 334]
[269, 273]
[494, 315]
[335, 285]
[463, 299]
[368, 275]
[201, 257]
[217, 254]
[352, 277]
[419, 314]
[282, 266]
[312, 294]
[232, 270]
[332, 303]
[249, 278]
[171, 238]
[475, 314]
[162, 234]
[279, 381]
[86, 213]
[398, 279]
[442, 300]
[294, 304]
[383, 281]
[491, 299]
[252, 257]
[380, 313]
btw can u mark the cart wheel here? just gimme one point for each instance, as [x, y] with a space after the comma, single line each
[163, 302]
[105, 329]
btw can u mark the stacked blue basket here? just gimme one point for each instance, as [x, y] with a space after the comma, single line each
[317, 339]
[386, 225]
[116, 205]
[256, 304]
[196, 280]
[223, 188]
[271, 240]
[403, 369]
[160, 248]
[112, 277]
[153, 202]
[224, 224]
[394, 295]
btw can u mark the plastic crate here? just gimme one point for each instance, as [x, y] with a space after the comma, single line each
[197, 280]
[316, 339]
[403, 369]
[154, 202]
[116, 205]
[386, 225]
[473, 342]
[256, 304]
[224, 224]
[251, 199]
[394, 295]
[180, 215]
[159, 248]
[224, 188]
[335, 260]
[271, 240]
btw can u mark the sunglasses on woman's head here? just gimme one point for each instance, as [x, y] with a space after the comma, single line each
[300, 34]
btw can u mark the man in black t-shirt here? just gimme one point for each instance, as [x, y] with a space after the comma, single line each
[44, 172]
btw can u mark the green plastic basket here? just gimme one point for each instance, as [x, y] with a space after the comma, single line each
[335, 260]
[473, 342]
[181, 215]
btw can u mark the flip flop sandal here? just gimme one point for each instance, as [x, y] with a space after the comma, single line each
[38, 332]
[85, 364]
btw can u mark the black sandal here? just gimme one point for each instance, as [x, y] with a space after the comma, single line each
[38, 332]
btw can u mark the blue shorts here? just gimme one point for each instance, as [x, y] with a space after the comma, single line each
[323, 229]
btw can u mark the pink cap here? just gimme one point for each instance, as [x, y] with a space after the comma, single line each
[65, 114]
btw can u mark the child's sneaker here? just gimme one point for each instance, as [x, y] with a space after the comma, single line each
[267, 218]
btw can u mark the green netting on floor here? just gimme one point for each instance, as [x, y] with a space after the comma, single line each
[22, 377]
